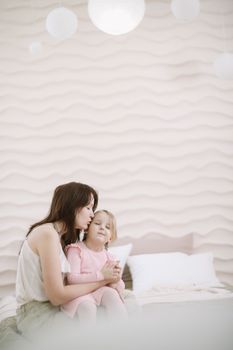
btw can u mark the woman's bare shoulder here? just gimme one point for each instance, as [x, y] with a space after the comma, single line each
[42, 233]
[44, 229]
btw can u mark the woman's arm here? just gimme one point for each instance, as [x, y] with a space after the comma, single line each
[48, 248]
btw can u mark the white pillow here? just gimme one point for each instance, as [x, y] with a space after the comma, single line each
[121, 252]
[171, 269]
[165, 269]
[201, 269]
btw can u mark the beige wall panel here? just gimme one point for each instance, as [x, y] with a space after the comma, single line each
[141, 117]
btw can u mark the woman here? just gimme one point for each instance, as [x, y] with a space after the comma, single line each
[42, 265]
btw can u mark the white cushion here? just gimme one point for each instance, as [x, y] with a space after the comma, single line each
[201, 269]
[121, 252]
[171, 269]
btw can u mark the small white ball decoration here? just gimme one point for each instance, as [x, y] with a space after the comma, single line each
[35, 48]
[223, 66]
[185, 9]
[61, 23]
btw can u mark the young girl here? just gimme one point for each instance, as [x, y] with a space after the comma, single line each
[87, 259]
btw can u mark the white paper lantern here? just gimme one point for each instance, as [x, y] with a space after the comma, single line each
[35, 48]
[61, 23]
[116, 17]
[223, 65]
[185, 9]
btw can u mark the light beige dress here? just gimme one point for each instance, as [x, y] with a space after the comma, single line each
[35, 314]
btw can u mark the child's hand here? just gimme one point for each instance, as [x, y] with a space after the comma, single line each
[111, 272]
[117, 267]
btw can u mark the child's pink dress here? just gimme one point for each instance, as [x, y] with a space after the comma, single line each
[85, 267]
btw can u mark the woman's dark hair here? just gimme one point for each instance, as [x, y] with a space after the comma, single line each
[66, 200]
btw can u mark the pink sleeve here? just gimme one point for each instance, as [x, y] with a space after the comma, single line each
[76, 276]
[119, 286]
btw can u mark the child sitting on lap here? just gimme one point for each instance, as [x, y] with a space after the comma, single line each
[90, 262]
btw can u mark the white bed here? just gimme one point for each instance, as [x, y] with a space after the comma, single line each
[177, 302]
[184, 305]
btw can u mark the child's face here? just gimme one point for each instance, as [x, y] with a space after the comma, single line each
[99, 230]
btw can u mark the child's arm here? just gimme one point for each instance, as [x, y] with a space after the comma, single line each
[76, 276]
[119, 285]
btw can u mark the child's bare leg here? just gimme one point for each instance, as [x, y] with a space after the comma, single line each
[113, 304]
[86, 312]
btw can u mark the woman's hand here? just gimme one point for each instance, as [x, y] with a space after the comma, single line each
[111, 272]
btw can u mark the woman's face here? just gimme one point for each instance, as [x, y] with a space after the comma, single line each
[84, 215]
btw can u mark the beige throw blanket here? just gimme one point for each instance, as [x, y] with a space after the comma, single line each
[162, 294]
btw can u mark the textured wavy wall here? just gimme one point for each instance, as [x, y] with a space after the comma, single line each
[140, 117]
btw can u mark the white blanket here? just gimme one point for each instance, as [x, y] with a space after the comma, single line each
[161, 294]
